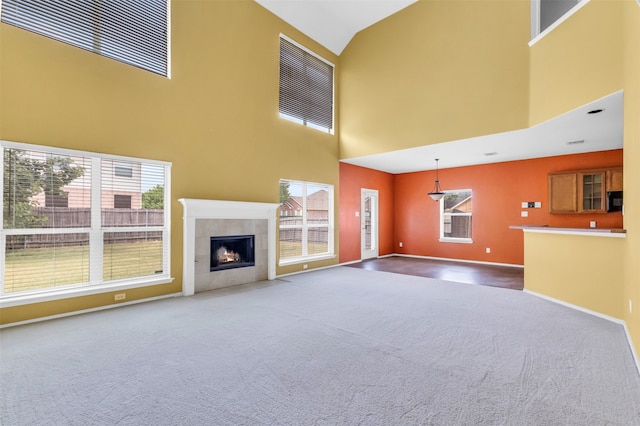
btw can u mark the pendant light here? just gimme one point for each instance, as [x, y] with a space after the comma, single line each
[437, 192]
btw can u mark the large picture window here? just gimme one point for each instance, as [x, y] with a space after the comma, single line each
[455, 216]
[306, 87]
[306, 221]
[101, 231]
[130, 31]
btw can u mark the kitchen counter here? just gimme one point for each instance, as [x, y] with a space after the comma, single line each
[595, 232]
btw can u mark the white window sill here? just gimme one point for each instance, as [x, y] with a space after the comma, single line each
[56, 294]
[296, 260]
[456, 240]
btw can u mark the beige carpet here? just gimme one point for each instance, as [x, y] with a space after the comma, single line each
[341, 346]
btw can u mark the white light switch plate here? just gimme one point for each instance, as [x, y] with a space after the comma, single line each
[524, 214]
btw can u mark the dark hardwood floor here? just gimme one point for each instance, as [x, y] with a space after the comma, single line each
[471, 273]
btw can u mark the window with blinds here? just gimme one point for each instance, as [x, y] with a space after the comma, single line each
[306, 221]
[131, 31]
[306, 87]
[102, 229]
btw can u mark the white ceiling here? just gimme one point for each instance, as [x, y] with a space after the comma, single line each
[333, 23]
[600, 132]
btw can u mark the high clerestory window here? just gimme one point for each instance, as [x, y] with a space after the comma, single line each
[306, 86]
[131, 31]
[546, 14]
[70, 226]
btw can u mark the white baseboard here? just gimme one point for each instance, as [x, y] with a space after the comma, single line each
[84, 311]
[597, 314]
[448, 259]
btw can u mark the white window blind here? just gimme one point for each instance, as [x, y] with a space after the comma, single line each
[88, 239]
[306, 87]
[131, 31]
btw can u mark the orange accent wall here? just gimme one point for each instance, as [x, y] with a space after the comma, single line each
[498, 191]
[352, 180]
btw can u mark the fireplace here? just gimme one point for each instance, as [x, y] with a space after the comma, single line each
[204, 218]
[228, 252]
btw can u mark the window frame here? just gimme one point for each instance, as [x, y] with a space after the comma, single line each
[536, 34]
[442, 215]
[305, 226]
[96, 232]
[301, 121]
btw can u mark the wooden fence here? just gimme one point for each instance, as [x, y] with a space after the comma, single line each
[64, 217]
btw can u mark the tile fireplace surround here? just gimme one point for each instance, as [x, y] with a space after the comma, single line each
[205, 218]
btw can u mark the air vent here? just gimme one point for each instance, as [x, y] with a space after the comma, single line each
[576, 142]
[489, 154]
[595, 111]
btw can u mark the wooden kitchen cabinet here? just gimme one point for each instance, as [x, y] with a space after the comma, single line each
[563, 195]
[582, 191]
[614, 179]
[591, 192]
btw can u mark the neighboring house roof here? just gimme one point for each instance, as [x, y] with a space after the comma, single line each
[319, 200]
[463, 206]
[293, 203]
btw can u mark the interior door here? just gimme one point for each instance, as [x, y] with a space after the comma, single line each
[369, 224]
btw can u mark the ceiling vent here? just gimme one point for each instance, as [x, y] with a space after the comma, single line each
[576, 142]
[489, 154]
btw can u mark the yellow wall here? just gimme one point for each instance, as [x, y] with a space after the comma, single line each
[632, 172]
[586, 271]
[437, 71]
[578, 62]
[216, 119]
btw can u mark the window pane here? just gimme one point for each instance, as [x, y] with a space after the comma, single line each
[44, 261]
[130, 31]
[317, 205]
[290, 243]
[306, 87]
[135, 198]
[457, 226]
[132, 254]
[458, 201]
[318, 242]
[44, 190]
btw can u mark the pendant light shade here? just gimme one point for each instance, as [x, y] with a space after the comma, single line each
[437, 192]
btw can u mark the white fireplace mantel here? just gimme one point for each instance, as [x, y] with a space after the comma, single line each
[217, 209]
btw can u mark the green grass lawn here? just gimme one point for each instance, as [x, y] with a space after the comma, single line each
[70, 265]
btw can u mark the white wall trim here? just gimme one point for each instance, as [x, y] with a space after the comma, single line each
[597, 314]
[85, 311]
[218, 209]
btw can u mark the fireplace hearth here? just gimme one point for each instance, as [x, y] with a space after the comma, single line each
[228, 252]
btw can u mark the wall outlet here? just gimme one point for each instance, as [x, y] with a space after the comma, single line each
[524, 214]
[488, 250]
[120, 296]
[400, 243]
[592, 224]
[538, 204]
[524, 204]
[357, 214]
[305, 266]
